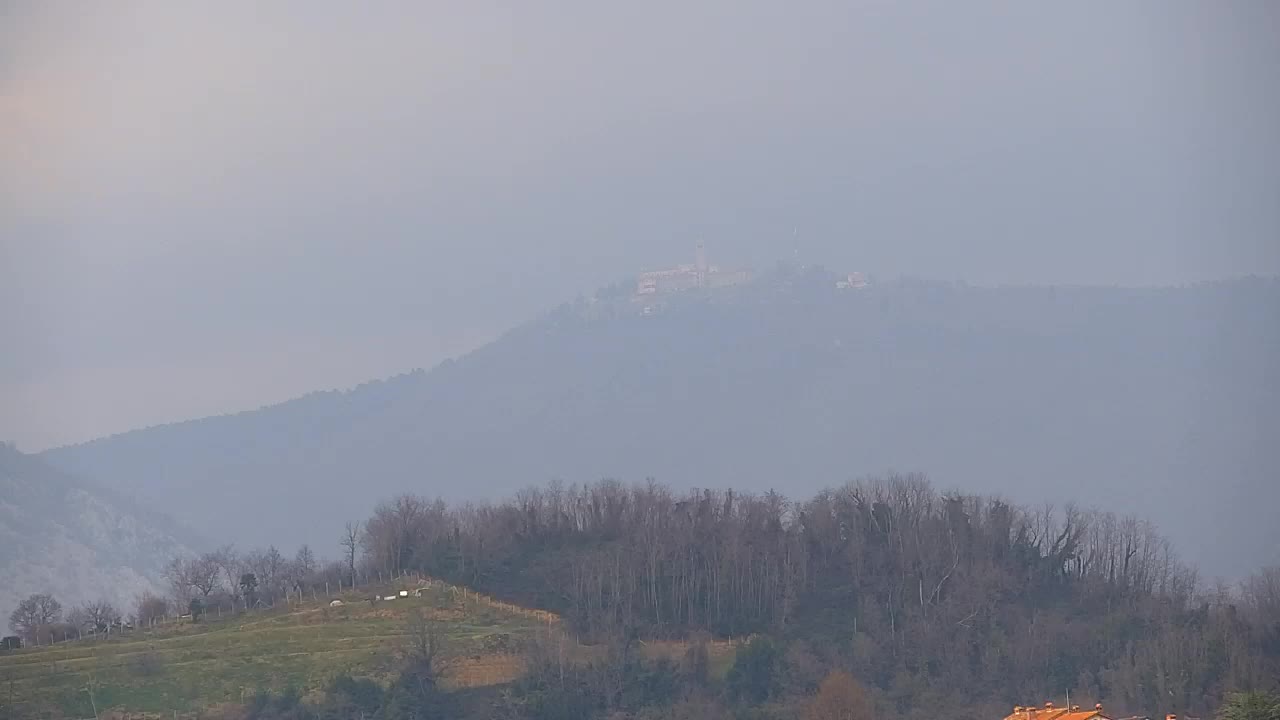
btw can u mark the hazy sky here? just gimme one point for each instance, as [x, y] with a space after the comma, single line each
[208, 207]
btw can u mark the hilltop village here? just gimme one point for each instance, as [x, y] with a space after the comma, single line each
[652, 285]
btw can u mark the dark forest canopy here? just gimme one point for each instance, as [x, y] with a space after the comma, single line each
[930, 598]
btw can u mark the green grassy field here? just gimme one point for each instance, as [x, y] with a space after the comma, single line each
[184, 668]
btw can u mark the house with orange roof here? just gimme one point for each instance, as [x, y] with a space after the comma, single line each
[1051, 712]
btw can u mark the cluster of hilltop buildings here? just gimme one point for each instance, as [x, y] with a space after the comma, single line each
[701, 274]
[687, 277]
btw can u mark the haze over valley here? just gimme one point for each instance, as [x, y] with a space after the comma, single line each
[728, 360]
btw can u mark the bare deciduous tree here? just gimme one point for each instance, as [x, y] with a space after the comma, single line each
[229, 563]
[304, 562]
[200, 574]
[101, 615]
[34, 612]
[351, 543]
[423, 655]
[150, 608]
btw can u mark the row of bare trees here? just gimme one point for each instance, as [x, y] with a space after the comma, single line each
[227, 576]
[931, 596]
[39, 619]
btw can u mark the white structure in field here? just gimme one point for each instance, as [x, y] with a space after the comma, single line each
[700, 274]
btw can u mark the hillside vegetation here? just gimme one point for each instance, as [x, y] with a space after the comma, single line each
[885, 596]
[928, 598]
[1162, 402]
[77, 540]
[889, 594]
[300, 648]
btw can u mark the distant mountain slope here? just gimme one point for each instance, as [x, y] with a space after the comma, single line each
[80, 543]
[1163, 402]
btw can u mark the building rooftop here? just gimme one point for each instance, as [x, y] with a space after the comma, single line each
[1051, 712]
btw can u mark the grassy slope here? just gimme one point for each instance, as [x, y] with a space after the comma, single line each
[302, 647]
[223, 660]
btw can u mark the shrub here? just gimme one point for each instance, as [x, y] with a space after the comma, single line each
[151, 608]
[753, 675]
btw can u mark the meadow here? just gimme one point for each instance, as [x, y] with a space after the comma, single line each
[185, 667]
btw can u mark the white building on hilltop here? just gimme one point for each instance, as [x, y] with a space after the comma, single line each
[700, 274]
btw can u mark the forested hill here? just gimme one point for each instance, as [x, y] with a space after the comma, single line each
[930, 599]
[82, 543]
[1160, 402]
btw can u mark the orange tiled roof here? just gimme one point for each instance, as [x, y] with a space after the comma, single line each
[1050, 712]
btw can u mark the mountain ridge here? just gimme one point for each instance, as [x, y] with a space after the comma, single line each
[419, 370]
[785, 382]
